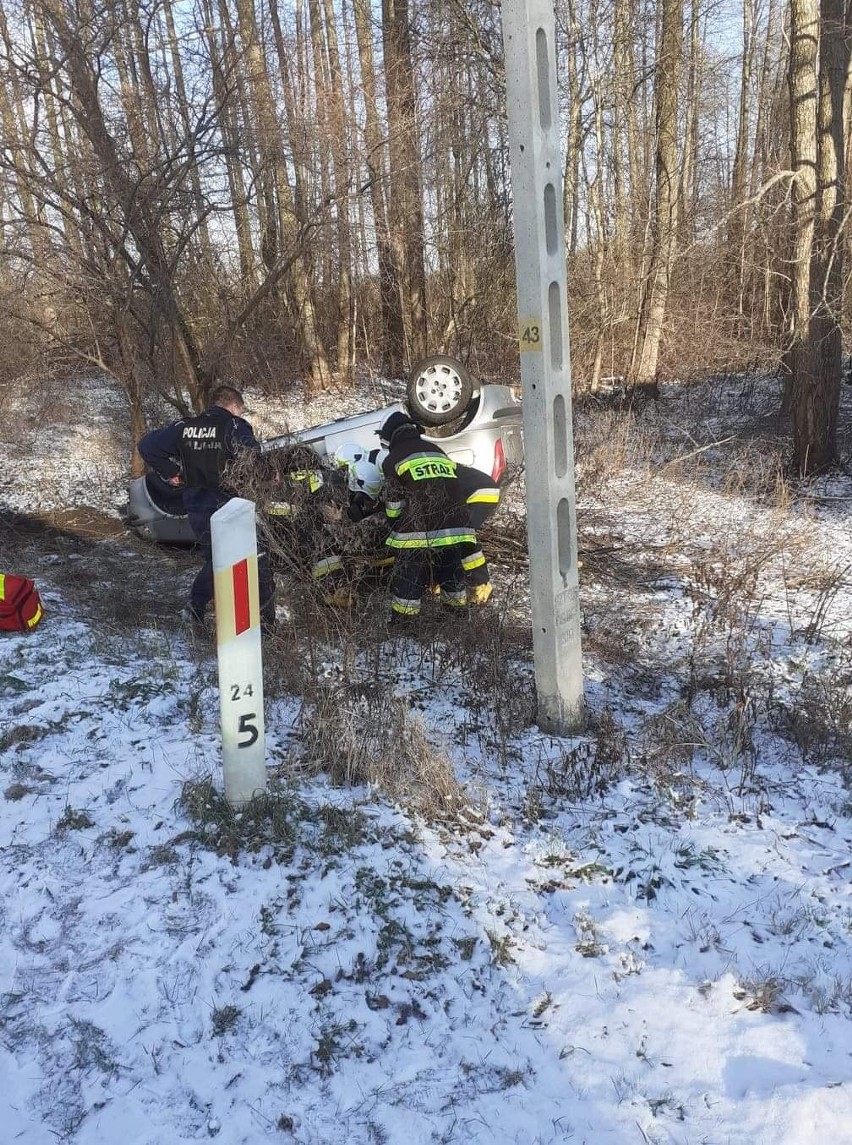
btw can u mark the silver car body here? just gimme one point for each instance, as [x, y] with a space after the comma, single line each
[490, 439]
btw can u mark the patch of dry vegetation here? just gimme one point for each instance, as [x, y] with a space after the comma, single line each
[366, 735]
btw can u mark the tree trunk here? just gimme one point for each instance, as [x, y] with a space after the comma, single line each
[819, 362]
[804, 46]
[47, 69]
[276, 183]
[13, 120]
[574, 147]
[342, 180]
[689, 167]
[736, 220]
[228, 129]
[205, 246]
[389, 270]
[406, 205]
[643, 369]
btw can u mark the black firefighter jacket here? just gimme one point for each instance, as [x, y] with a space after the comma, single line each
[424, 500]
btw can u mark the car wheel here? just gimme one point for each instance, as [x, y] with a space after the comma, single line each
[439, 390]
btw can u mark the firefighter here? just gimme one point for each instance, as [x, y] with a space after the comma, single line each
[364, 478]
[365, 481]
[481, 494]
[431, 528]
[193, 454]
[301, 514]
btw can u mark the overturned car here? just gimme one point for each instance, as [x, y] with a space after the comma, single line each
[476, 425]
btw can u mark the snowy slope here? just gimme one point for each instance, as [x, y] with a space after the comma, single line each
[641, 934]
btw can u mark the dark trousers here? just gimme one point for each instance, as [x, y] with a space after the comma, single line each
[201, 593]
[474, 563]
[414, 569]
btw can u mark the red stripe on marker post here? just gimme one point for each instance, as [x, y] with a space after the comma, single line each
[242, 609]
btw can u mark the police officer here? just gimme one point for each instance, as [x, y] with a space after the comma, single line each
[193, 454]
[431, 528]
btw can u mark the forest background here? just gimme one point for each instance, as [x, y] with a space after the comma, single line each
[218, 189]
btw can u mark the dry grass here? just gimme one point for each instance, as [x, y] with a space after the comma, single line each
[820, 720]
[364, 735]
[608, 442]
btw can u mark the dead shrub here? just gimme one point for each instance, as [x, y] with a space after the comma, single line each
[833, 581]
[819, 719]
[608, 443]
[589, 767]
[764, 992]
[756, 469]
[667, 743]
[728, 584]
[364, 735]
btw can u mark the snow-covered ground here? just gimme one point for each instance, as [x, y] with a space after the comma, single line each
[643, 934]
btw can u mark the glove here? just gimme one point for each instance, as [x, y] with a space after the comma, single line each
[360, 506]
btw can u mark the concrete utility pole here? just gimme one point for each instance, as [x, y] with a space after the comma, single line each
[529, 40]
[234, 536]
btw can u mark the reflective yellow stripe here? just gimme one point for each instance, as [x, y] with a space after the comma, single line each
[474, 561]
[279, 509]
[2, 586]
[454, 599]
[405, 607]
[312, 476]
[327, 565]
[484, 497]
[429, 540]
[33, 621]
[422, 456]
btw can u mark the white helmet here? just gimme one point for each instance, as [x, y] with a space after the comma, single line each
[366, 477]
[349, 454]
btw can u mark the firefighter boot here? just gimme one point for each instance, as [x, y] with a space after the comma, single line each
[480, 593]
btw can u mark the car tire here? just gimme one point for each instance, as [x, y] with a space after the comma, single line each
[440, 390]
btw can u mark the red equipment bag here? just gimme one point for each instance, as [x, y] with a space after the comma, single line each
[20, 604]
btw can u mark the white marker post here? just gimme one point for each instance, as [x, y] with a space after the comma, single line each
[237, 595]
[529, 41]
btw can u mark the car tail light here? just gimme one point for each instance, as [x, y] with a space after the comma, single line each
[499, 467]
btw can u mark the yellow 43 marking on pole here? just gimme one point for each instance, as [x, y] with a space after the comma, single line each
[529, 334]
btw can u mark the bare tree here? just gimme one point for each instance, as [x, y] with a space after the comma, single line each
[804, 47]
[405, 203]
[389, 271]
[655, 288]
[818, 365]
